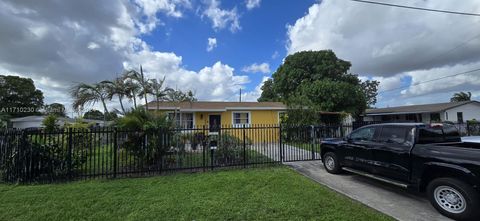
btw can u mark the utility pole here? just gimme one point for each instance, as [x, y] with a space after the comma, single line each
[240, 95]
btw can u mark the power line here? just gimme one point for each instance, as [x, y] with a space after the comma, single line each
[431, 80]
[416, 8]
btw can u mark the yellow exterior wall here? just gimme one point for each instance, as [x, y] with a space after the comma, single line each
[259, 118]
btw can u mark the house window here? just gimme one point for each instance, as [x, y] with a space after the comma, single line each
[183, 120]
[241, 118]
[435, 117]
[460, 117]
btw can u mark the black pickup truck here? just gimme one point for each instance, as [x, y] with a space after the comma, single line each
[423, 157]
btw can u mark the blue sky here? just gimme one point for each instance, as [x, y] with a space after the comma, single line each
[60, 43]
[262, 37]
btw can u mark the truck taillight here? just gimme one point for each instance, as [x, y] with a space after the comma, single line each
[436, 125]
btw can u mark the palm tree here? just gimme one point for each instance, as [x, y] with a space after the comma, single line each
[158, 91]
[89, 94]
[145, 88]
[118, 88]
[133, 89]
[461, 96]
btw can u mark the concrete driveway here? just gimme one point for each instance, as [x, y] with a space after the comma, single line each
[388, 199]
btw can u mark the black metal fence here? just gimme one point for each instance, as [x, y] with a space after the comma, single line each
[39, 156]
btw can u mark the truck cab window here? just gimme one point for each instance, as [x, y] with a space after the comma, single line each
[363, 134]
[397, 135]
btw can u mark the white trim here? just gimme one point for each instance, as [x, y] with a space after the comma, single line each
[193, 117]
[242, 112]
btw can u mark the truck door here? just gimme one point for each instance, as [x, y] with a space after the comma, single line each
[392, 156]
[358, 148]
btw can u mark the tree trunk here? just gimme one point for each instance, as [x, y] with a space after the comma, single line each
[105, 113]
[134, 100]
[146, 109]
[121, 104]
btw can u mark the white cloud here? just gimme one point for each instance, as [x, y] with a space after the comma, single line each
[387, 43]
[256, 93]
[212, 43]
[257, 68]
[92, 45]
[66, 42]
[150, 8]
[222, 18]
[216, 82]
[251, 4]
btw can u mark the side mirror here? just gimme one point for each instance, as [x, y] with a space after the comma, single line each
[347, 139]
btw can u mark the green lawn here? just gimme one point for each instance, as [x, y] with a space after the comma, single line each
[272, 193]
[305, 146]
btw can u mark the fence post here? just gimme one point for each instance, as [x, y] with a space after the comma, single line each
[69, 156]
[204, 147]
[280, 142]
[115, 149]
[244, 148]
[312, 134]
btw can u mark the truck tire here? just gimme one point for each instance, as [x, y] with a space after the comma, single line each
[331, 164]
[454, 198]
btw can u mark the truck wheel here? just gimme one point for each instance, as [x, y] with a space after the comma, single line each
[331, 164]
[454, 198]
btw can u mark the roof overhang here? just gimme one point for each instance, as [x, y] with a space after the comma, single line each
[398, 113]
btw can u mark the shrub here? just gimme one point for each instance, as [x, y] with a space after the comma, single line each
[230, 149]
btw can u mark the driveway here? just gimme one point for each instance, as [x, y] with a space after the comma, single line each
[388, 199]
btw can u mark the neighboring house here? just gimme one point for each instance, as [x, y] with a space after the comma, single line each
[36, 122]
[457, 112]
[213, 114]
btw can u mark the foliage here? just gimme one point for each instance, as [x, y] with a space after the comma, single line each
[50, 123]
[319, 81]
[461, 96]
[89, 94]
[4, 120]
[119, 88]
[19, 93]
[36, 155]
[230, 149]
[146, 134]
[98, 115]
[56, 109]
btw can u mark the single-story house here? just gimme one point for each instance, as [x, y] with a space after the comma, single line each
[212, 114]
[36, 121]
[457, 112]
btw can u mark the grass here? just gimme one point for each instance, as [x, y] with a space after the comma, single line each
[273, 193]
[305, 146]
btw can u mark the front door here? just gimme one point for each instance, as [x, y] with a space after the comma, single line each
[214, 122]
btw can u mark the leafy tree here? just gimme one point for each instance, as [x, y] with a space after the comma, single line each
[319, 81]
[89, 94]
[93, 115]
[56, 109]
[98, 115]
[50, 123]
[268, 94]
[19, 97]
[461, 96]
